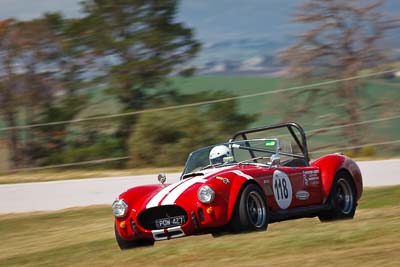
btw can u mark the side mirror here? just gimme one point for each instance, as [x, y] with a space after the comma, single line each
[275, 160]
[162, 178]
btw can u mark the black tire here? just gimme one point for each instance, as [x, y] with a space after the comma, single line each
[128, 244]
[250, 212]
[342, 199]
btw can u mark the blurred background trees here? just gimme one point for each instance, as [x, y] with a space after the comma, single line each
[30, 53]
[133, 56]
[140, 44]
[50, 66]
[343, 39]
[167, 138]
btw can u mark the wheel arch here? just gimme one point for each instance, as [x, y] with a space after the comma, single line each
[234, 196]
[355, 175]
[347, 172]
[330, 165]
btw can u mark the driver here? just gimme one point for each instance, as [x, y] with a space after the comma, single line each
[218, 153]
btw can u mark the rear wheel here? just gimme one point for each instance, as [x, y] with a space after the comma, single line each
[250, 211]
[342, 199]
[128, 244]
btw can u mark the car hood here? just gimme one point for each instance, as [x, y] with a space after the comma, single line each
[171, 194]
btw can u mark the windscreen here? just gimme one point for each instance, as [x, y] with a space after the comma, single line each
[249, 151]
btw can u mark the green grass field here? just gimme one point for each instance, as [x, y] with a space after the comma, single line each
[270, 108]
[84, 237]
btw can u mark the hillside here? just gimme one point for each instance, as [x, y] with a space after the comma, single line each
[271, 107]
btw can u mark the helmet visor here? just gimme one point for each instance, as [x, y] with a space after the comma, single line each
[217, 160]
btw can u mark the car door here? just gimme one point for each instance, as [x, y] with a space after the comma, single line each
[295, 187]
[312, 185]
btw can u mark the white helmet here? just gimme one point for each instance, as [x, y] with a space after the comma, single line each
[218, 153]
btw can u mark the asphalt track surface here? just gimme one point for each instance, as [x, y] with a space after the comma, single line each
[49, 196]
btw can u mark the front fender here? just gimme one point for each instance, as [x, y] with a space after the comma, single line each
[331, 164]
[135, 197]
[238, 180]
[138, 195]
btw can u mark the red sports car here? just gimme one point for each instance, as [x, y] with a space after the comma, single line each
[260, 176]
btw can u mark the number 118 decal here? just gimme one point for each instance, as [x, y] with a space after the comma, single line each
[282, 189]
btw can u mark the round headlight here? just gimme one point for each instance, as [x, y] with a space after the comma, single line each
[205, 194]
[120, 208]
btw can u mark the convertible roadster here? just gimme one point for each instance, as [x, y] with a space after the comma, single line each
[260, 176]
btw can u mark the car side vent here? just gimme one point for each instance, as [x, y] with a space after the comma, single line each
[201, 214]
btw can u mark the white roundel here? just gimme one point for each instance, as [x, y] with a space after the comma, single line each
[282, 189]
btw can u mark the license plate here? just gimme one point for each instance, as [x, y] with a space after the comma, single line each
[172, 221]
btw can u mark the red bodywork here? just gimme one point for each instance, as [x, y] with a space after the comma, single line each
[310, 186]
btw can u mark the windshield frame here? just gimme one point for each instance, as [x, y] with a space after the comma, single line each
[237, 145]
[294, 129]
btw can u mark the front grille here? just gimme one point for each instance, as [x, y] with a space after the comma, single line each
[147, 218]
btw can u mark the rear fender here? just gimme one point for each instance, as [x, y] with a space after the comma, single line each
[330, 165]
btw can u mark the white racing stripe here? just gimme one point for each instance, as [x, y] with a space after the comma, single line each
[174, 194]
[242, 174]
[160, 195]
[175, 190]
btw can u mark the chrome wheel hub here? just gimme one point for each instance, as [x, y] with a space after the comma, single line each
[256, 210]
[344, 196]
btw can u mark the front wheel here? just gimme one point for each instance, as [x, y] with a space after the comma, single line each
[250, 211]
[128, 244]
[342, 199]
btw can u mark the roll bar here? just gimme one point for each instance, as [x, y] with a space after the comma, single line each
[291, 126]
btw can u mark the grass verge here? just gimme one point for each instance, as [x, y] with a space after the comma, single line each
[84, 237]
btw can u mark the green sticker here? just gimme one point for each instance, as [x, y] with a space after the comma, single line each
[270, 143]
